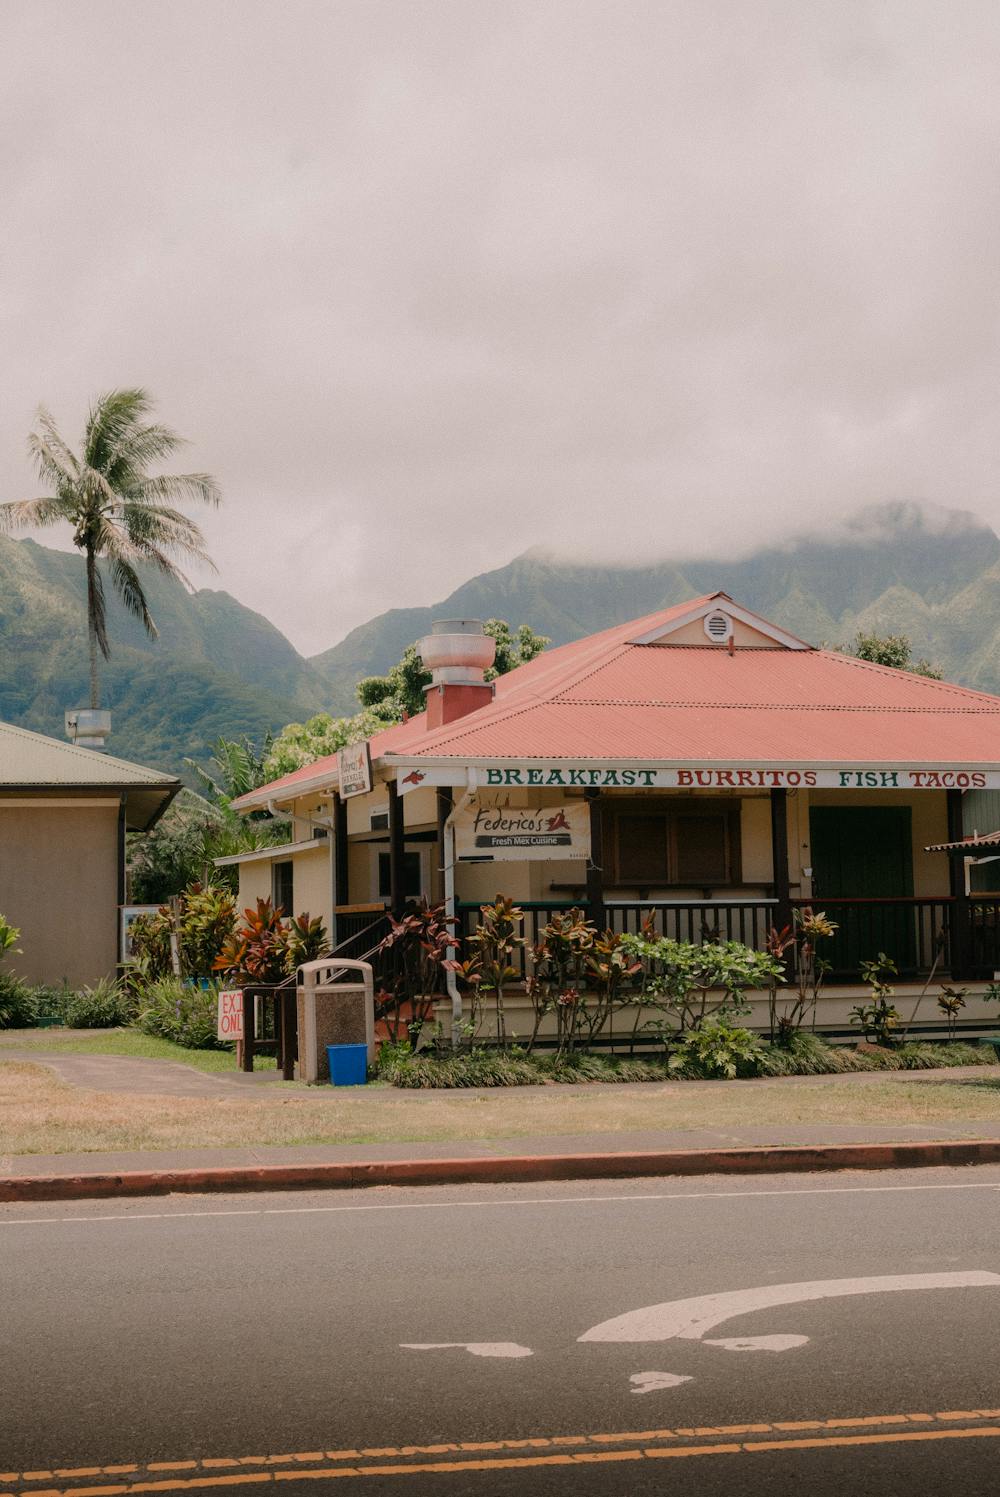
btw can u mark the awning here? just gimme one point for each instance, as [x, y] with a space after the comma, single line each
[984, 841]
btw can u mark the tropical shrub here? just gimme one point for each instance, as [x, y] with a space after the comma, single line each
[257, 950]
[106, 1005]
[205, 919]
[951, 1001]
[177, 1011]
[306, 940]
[9, 935]
[18, 1003]
[716, 1048]
[492, 946]
[879, 1017]
[417, 952]
[808, 971]
[697, 982]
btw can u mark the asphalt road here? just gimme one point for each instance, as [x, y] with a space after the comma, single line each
[252, 1342]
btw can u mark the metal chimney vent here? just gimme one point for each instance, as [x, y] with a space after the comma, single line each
[718, 627]
[88, 727]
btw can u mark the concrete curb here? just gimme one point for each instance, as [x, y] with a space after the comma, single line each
[502, 1170]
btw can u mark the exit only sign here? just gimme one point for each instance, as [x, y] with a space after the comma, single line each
[230, 1018]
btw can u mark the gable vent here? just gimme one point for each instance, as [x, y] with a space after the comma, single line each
[718, 626]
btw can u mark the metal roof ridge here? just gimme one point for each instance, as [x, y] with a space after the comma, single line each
[896, 673]
[153, 777]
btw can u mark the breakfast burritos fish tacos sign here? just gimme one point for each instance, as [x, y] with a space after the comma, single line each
[487, 828]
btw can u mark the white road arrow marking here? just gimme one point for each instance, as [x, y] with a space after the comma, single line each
[477, 1348]
[649, 1382]
[689, 1319]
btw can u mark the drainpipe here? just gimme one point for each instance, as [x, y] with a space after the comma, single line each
[449, 902]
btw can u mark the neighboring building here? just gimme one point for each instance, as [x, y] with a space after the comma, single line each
[700, 765]
[64, 813]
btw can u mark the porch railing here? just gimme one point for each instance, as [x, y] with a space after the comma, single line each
[961, 936]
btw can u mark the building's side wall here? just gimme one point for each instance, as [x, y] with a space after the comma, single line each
[59, 886]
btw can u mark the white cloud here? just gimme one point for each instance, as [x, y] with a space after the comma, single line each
[427, 282]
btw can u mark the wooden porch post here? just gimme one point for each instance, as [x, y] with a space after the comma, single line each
[397, 897]
[340, 862]
[959, 924]
[779, 855]
[595, 863]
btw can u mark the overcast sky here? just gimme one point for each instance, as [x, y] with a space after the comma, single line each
[426, 283]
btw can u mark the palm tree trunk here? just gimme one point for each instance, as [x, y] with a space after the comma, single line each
[95, 691]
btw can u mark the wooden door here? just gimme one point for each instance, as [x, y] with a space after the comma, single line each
[864, 854]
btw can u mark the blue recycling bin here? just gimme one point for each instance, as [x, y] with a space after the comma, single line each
[348, 1064]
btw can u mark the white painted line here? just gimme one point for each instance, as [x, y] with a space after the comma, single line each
[503, 1349]
[680, 1195]
[689, 1319]
[650, 1382]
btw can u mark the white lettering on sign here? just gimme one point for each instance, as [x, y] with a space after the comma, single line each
[486, 830]
[354, 769]
[717, 777]
[230, 1017]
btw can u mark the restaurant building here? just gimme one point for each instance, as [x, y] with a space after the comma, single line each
[700, 765]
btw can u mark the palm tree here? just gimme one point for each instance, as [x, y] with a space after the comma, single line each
[120, 512]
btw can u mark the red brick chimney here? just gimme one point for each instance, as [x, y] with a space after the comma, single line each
[456, 652]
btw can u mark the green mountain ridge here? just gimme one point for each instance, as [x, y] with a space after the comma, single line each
[219, 668]
[900, 571]
[216, 668]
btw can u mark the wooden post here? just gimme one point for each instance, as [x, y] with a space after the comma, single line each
[779, 858]
[959, 924]
[289, 1024]
[397, 896]
[341, 890]
[122, 880]
[595, 863]
[248, 1006]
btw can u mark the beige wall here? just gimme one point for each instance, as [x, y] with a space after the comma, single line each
[59, 886]
[743, 635]
[311, 886]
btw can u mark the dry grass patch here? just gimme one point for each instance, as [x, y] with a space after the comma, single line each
[40, 1114]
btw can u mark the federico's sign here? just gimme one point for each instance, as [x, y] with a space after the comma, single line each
[718, 777]
[485, 830]
[354, 768]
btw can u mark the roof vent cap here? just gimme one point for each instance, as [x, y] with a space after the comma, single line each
[457, 652]
[718, 626]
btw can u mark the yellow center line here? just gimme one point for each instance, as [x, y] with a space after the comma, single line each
[489, 1454]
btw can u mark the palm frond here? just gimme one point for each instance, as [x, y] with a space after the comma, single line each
[53, 458]
[166, 529]
[129, 589]
[21, 513]
[167, 487]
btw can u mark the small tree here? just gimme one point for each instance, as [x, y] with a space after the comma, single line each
[893, 650]
[400, 692]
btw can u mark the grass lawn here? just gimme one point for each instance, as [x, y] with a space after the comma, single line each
[121, 1042]
[40, 1114]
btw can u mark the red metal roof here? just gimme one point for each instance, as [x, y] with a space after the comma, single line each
[605, 697]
